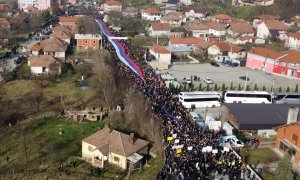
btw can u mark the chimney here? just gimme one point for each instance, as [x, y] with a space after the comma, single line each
[131, 138]
[292, 115]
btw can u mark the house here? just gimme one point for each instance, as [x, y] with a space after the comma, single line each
[198, 29]
[240, 29]
[40, 4]
[151, 14]
[63, 35]
[202, 48]
[62, 28]
[256, 21]
[260, 118]
[264, 2]
[44, 64]
[221, 18]
[287, 141]
[89, 114]
[161, 54]
[112, 5]
[4, 23]
[70, 21]
[285, 64]
[216, 29]
[55, 47]
[196, 12]
[86, 41]
[272, 29]
[186, 2]
[130, 12]
[175, 19]
[6, 6]
[221, 51]
[183, 44]
[31, 10]
[37, 49]
[239, 40]
[176, 35]
[293, 40]
[113, 147]
[159, 29]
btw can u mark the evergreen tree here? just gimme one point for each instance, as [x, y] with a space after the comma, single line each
[255, 87]
[216, 87]
[240, 87]
[288, 89]
[231, 86]
[280, 89]
[248, 88]
[223, 87]
[207, 87]
[284, 170]
[200, 87]
[296, 88]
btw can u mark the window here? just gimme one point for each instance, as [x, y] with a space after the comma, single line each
[295, 139]
[94, 42]
[117, 159]
[86, 42]
[90, 148]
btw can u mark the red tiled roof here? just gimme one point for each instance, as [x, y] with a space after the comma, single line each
[295, 35]
[159, 49]
[222, 17]
[216, 26]
[265, 52]
[292, 57]
[41, 60]
[276, 25]
[186, 40]
[113, 3]
[223, 46]
[196, 26]
[38, 46]
[197, 10]
[68, 18]
[173, 16]
[241, 28]
[161, 26]
[152, 11]
[266, 17]
[4, 22]
[31, 8]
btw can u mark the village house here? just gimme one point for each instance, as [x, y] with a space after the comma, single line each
[70, 21]
[32, 10]
[183, 45]
[151, 14]
[261, 18]
[6, 6]
[108, 146]
[175, 19]
[63, 28]
[186, 2]
[222, 51]
[202, 48]
[272, 29]
[53, 46]
[216, 29]
[287, 141]
[221, 18]
[130, 12]
[159, 29]
[293, 40]
[161, 54]
[240, 29]
[4, 23]
[195, 13]
[40, 4]
[112, 5]
[63, 35]
[86, 41]
[285, 64]
[44, 64]
[197, 29]
[89, 114]
[37, 49]
[240, 40]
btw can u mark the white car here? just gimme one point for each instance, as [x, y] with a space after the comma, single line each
[187, 80]
[208, 80]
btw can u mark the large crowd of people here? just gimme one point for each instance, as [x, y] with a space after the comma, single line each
[190, 152]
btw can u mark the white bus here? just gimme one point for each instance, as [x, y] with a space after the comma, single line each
[199, 99]
[250, 97]
[287, 98]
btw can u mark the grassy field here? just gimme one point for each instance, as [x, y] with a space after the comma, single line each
[155, 166]
[264, 155]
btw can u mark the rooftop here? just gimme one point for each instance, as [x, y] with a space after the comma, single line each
[152, 11]
[160, 26]
[222, 17]
[186, 40]
[41, 60]
[159, 49]
[265, 52]
[87, 36]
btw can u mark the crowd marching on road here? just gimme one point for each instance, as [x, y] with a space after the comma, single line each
[185, 142]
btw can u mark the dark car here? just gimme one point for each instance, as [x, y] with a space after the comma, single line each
[235, 64]
[227, 63]
[245, 78]
[214, 63]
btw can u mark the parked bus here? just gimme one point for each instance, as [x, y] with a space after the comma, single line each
[287, 98]
[200, 99]
[251, 97]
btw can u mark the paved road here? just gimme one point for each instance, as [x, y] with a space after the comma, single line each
[227, 75]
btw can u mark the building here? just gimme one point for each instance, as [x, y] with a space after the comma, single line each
[293, 40]
[53, 46]
[240, 29]
[197, 29]
[4, 23]
[175, 19]
[196, 12]
[88, 114]
[186, 2]
[221, 18]
[285, 64]
[130, 12]
[161, 54]
[63, 35]
[287, 137]
[240, 40]
[159, 29]
[44, 64]
[6, 6]
[179, 45]
[70, 22]
[86, 41]
[113, 147]
[252, 2]
[266, 17]
[216, 29]
[272, 29]
[112, 5]
[260, 118]
[222, 51]
[40, 4]
[151, 14]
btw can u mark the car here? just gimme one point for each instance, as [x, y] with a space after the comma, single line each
[227, 63]
[214, 63]
[235, 64]
[208, 80]
[245, 78]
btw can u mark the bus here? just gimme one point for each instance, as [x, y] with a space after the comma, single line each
[287, 98]
[199, 99]
[250, 97]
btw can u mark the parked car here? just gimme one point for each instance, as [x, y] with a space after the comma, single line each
[187, 80]
[208, 80]
[227, 63]
[214, 63]
[235, 64]
[245, 78]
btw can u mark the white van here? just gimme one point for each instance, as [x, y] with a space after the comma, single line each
[233, 141]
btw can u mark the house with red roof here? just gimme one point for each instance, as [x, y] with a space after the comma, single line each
[175, 19]
[112, 5]
[216, 29]
[222, 51]
[222, 18]
[161, 54]
[195, 12]
[183, 44]
[240, 28]
[151, 14]
[70, 21]
[285, 64]
[198, 29]
[259, 19]
[293, 40]
[159, 29]
[272, 29]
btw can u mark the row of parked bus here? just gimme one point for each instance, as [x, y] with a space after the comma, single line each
[198, 99]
